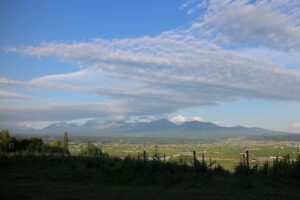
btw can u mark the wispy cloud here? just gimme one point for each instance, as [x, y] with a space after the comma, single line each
[270, 23]
[296, 125]
[11, 95]
[175, 62]
[58, 112]
[177, 69]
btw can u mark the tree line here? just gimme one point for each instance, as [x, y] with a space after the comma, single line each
[94, 157]
[10, 144]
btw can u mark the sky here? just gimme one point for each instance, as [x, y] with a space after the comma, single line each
[230, 62]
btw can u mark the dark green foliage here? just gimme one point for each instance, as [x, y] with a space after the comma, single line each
[78, 176]
[91, 150]
[66, 143]
[279, 168]
[6, 141]
[30, 145]
[243, 169]
[32, 162]
[10, 144]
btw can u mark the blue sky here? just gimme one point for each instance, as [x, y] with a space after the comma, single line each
[226, 62]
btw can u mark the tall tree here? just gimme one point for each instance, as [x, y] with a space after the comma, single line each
[66, 143]
[57, 146]
[5, 141]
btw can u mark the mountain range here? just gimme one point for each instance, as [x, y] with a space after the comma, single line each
[163, 127]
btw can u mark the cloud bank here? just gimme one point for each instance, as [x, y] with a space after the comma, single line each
[177, 69]
[271, 23]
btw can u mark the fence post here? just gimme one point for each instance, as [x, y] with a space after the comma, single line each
[194, 158]
[247, 158]
[144, 156]
[244, 159]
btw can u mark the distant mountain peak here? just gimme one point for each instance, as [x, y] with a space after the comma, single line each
[162, 121]
[198, 129]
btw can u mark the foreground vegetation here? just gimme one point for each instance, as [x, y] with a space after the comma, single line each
[225, 153]
[53, 173]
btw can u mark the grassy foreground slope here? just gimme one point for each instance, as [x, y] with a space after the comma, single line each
[33, 169]
[102, 177]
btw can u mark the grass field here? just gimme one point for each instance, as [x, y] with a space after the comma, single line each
[228, 154]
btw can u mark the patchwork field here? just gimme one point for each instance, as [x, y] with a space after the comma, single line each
[227, 153]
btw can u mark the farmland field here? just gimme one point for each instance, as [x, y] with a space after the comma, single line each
[226, 153]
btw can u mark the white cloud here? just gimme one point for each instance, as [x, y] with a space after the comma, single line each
[192, 6]
[181, 119]
[271, 23]
[178, 119]
[11, 95]
[173, 62]
[60, 112]
[177, 69]
[198, 118]
[289, 59]
[163, 74]
[115, 110]
[35, 124]
[296, 125]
